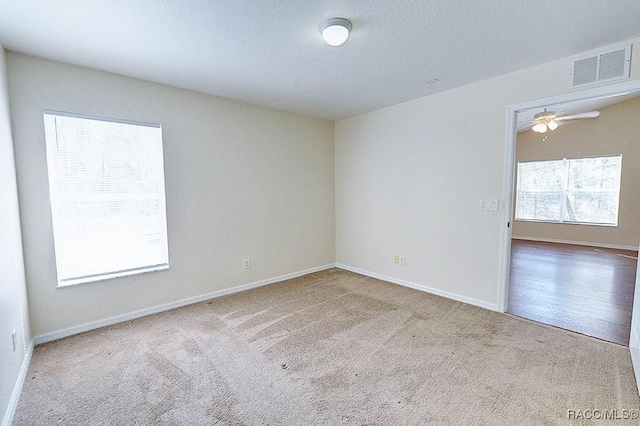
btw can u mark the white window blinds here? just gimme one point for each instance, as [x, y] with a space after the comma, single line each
[106, 182]
[571, 190]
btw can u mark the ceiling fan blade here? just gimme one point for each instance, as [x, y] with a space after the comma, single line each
[523, 127]
[526, 125]
[590, 114]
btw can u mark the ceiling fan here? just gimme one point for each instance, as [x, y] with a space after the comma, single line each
[549, 120]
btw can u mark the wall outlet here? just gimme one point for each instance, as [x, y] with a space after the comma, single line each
[396, 259]
[247, 264]
[489, 205]
[401, 260]
[13, 339]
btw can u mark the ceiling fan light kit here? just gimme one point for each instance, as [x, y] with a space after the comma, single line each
[539, 128]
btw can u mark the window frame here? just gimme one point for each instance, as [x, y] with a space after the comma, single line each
[565, 190]
[54, 199]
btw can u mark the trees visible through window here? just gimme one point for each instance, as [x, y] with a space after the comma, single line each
[106, 182]
[574, 190]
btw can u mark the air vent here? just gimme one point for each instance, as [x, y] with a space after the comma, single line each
[609, 65]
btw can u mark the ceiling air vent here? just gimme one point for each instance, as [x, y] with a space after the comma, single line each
[609, 65]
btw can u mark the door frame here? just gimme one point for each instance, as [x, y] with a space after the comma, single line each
[509, 182]
[510, 170]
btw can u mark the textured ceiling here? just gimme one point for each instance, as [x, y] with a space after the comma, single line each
[271, 52]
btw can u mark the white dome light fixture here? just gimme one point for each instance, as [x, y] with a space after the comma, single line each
[335, 31]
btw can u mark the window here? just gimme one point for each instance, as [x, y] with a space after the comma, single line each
[106, 184]
[575, 190]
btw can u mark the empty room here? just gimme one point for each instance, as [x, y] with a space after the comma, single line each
[233, 212]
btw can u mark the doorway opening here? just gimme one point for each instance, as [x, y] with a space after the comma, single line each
[568, 275]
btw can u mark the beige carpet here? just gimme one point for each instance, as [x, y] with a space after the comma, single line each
[328, 348]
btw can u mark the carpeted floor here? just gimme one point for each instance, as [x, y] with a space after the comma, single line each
[328, 348]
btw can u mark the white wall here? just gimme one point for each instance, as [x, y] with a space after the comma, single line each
[242, 182]
[409, 180]
[13, 297]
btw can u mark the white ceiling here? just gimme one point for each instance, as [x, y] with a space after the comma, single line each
[271, 52]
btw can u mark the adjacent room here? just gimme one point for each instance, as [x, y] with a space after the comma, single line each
[238, 212]
[574, 248]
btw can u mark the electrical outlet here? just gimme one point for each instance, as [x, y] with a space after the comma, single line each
[396, 259]
[402, 261]
[247, 264]
[489, 205]
[13, 339]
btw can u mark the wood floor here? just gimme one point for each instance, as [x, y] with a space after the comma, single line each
[584, 289]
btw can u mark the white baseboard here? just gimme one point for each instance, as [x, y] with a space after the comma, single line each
[17, 389]
[634, 349]
[635, 360]
[426, 289]
[634, 339]
[59, 334]
[577, 243]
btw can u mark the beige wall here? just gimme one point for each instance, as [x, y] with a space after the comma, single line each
[14, 313]
[616, 131]
[409, 180]
[242, 181]
[245, 181]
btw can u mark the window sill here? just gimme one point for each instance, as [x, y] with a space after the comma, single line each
[94, 278]
[555, 222]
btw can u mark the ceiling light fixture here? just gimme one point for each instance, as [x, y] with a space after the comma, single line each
[335, 31]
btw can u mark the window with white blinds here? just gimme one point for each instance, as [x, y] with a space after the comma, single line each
[571, 190]
[106, 184]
